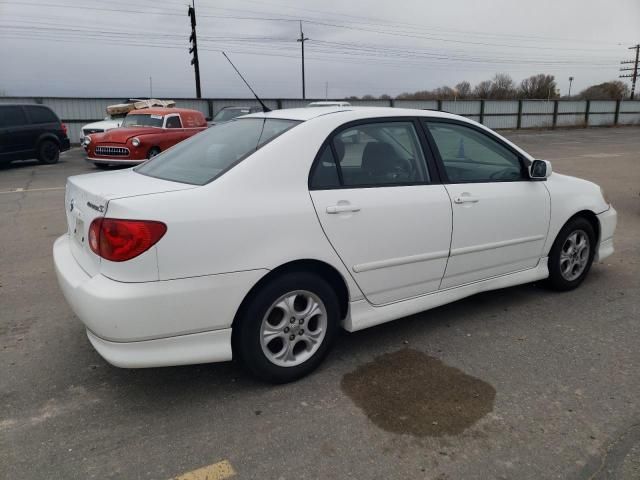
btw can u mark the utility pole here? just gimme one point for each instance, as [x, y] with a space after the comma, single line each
[634, 70]
[570, 82]
[326, 90]
[302, 39]
[194, 47]
[150, 87]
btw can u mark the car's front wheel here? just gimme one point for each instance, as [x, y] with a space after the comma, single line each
[153, 152]
[572, 254]
[48, 152]
[287, 327]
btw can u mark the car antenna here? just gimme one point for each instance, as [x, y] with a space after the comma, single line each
[264, 107]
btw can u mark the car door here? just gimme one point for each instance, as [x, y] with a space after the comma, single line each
[15, 132]
[500, 216]
[382, 210]
[173, 123]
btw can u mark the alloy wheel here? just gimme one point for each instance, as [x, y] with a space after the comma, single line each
[293, 328]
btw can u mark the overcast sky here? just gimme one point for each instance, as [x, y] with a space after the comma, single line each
[111, 48]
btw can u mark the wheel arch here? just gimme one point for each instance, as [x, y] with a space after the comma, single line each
[47, 136]
[591, 217]
[323, 269]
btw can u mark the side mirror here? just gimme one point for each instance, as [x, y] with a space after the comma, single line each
[540, 170]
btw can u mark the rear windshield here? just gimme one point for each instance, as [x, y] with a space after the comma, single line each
[207, 155]
[138, 120]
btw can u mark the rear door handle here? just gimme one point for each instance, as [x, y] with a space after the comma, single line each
[342, 208]
[466, 199]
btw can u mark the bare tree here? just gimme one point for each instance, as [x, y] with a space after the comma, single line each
[502, 87]
[539, 86]
[384, 96]
[463, 90]
[444, 93]
[614, 90]
[368, 97]
[483, 89]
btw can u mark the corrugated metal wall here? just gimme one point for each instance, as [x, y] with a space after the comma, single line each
[76, 112]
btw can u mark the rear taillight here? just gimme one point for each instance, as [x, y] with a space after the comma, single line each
[120, 240]
[64, 128]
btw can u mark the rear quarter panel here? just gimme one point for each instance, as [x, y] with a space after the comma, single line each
[258, 215]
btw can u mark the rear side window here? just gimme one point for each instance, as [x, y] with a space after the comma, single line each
[207, 155]
[374, 154]
[325, 173]
[173, 122]
[41, 115]
[12, 117]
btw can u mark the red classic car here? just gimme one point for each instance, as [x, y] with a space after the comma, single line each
[143, 134]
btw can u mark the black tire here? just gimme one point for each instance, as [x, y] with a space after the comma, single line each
[102, 166]
[48, 152]
[247, 328]
[556, 280]
[153, 152]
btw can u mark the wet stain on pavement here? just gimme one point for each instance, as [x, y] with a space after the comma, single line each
[410, 392]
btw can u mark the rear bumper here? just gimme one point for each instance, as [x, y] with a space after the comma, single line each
[608, 220]
[202, 347]
[161, 323]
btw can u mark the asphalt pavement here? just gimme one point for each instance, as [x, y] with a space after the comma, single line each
[521, 383]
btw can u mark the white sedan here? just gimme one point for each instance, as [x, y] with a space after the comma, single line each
[259, 238]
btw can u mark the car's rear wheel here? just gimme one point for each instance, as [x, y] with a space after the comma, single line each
[572, 254]
[153, 152]
[287, 327]
[48, 152]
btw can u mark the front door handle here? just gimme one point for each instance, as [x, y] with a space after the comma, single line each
[466, 199]
[342, 208]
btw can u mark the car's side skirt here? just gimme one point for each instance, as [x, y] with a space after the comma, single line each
[364, 315]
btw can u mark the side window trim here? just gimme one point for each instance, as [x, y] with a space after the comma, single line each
[436, 152]
[428, 159]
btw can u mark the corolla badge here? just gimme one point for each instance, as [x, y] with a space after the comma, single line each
[97, 208]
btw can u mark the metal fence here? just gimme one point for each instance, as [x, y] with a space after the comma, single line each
[498, 114]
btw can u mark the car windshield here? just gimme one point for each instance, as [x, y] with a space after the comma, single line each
[230, 114]
[207, 155]
[140, 120]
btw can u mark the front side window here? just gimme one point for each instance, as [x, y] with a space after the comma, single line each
[378, 154]
[140, 120]
[173, 122]
[470, 156]
[207, 155]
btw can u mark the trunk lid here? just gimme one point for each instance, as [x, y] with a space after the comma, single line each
[87, 198]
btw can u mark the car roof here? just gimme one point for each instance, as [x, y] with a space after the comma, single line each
[349, 113]
[162, 111]
[24, 105]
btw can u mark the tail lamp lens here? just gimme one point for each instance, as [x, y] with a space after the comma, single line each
[120, 240]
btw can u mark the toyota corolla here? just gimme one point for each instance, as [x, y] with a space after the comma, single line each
[260, 237]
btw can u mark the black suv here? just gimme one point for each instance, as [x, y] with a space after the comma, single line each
[31, 131]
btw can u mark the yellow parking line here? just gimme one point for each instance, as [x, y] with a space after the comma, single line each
[216, 471]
